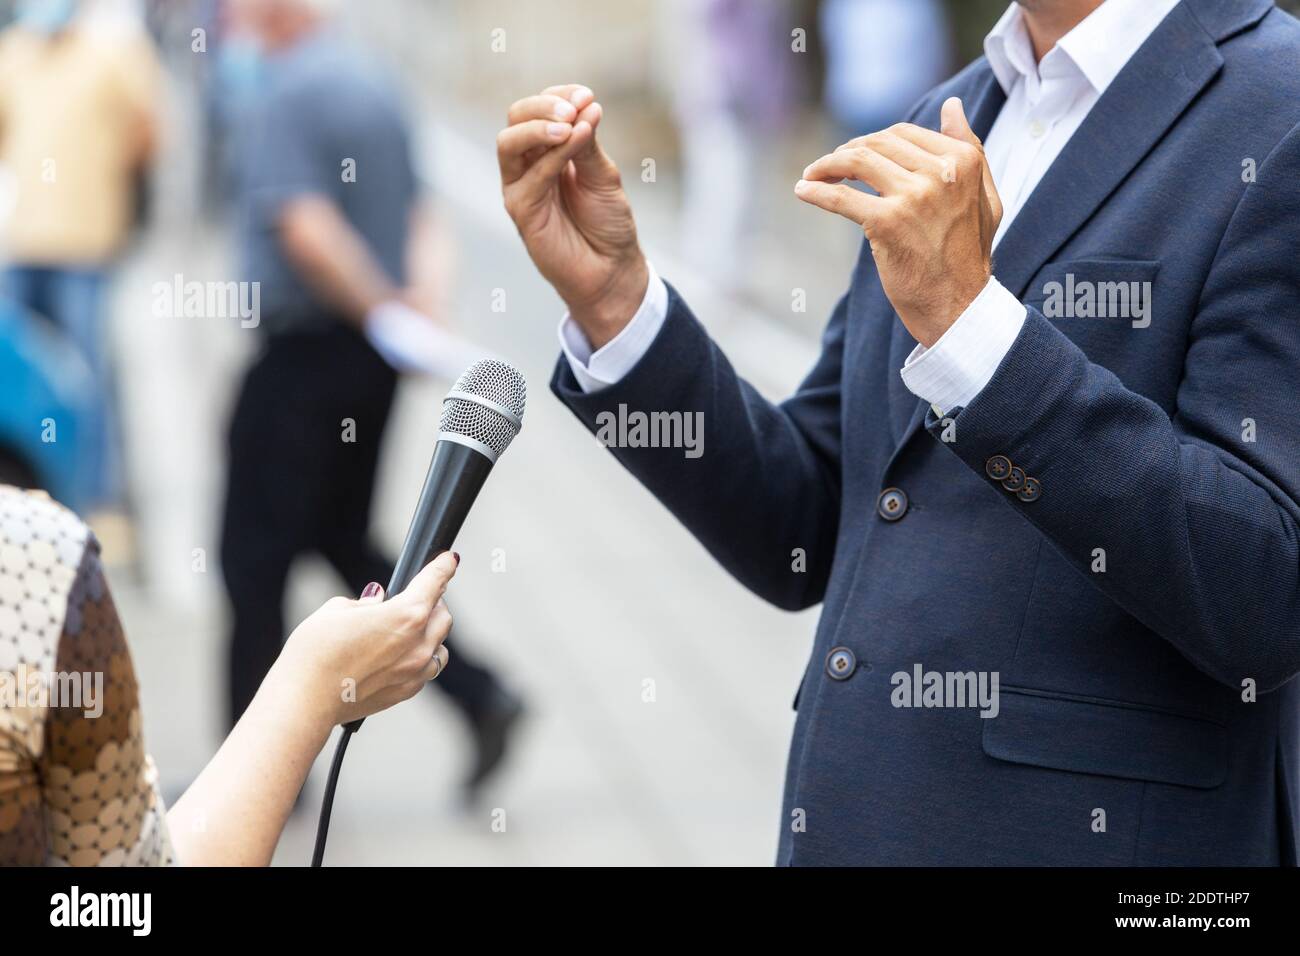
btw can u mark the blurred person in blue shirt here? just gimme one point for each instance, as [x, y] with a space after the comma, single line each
[334, 232]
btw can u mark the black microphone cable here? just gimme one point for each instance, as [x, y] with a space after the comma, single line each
[327, 803]
[341, 748]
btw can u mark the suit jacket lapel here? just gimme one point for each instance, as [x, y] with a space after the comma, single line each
[1129, 119]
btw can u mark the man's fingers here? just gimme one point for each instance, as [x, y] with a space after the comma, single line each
[953, 122]
[962, 146]
[927, 139]
[531, 190]
[537, 124]
[863, 164]
[852, 204]
[905, 153]
[515, 143]
[532, 185]
[544, 106]
[591, 161]
[575, 93]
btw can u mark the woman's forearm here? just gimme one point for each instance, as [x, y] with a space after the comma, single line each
[380, 652]
[233, 813]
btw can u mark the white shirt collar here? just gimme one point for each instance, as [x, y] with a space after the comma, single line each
[1098, 48]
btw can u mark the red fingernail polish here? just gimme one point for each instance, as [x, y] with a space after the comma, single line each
[456, 555]
[371, 589]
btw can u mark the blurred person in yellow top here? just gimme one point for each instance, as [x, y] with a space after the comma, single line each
[77, 131]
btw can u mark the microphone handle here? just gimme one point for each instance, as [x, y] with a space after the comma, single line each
[456, 474]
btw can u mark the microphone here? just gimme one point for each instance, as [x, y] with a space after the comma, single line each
[481, 416]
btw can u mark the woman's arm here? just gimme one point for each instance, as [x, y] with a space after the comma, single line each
[348, 660]
[76, 784]
[233, 813]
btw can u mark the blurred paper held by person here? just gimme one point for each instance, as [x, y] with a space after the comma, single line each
[335, 231]
[77, 133]
[78, 787]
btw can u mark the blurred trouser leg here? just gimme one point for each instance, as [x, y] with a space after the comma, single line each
[28, 286]
[78, 308]
[72, 299]
[266, 523]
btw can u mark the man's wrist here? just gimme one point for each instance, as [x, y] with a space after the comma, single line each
[956, 368]
[604, 318]
[941, 317]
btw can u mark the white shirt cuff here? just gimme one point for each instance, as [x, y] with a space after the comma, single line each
[955, 369]
[608, 364]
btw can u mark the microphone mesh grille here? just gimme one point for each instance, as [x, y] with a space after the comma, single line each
[492, 381]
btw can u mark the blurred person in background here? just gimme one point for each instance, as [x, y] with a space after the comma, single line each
[732, 92]
[78, 787]
[881, 57]
[77, 133]
[230, 87]
[333, 228]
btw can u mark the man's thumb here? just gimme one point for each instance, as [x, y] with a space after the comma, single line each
[592, 162]
[952, 122]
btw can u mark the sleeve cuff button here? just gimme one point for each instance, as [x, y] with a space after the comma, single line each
[998, 467]
[1030, 491]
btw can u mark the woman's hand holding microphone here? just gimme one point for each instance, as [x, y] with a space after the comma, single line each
[348, 660]
[352, 659]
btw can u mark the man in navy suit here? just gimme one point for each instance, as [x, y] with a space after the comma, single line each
[1044, 477]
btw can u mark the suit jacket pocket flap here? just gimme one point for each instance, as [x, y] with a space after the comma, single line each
[1112, 739]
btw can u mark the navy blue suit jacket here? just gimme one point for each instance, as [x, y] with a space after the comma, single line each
[1126, 732]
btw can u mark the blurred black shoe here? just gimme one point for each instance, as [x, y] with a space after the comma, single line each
[491, 728]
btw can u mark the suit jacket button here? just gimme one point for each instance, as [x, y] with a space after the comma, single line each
[892, 504]
[1017, 479]
[840, 663]
[998, 467]
[1031, 491]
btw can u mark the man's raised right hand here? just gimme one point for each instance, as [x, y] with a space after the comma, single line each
[566, 198]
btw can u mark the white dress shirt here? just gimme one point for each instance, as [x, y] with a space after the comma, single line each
[1046, 103]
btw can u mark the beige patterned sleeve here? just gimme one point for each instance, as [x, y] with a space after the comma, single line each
[76, 786]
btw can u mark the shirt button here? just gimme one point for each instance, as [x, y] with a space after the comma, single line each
[1031, 491]
[892, 504]
[1036, 129]
[998, 467]
[1016, 480]
[840, 663]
